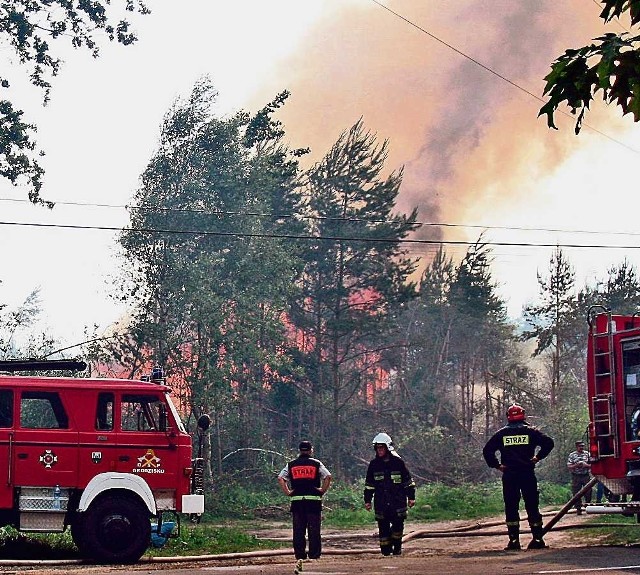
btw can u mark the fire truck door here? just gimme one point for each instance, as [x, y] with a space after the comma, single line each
[98, 451]
[6, 447]
[45, 450]
[145, 447]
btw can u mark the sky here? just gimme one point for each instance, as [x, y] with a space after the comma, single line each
[454, 87]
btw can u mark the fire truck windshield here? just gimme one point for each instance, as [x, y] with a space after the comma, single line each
[141, 412]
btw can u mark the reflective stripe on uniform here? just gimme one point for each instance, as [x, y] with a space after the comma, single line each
[306, 497]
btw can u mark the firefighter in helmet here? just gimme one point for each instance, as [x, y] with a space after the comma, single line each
[521, 446]
[390, 485]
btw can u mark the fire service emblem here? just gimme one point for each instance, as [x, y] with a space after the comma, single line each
[48, 459]
[148, 463]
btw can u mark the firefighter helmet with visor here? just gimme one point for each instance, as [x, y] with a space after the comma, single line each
[383, 438]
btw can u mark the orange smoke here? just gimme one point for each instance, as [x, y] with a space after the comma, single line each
[467, 139]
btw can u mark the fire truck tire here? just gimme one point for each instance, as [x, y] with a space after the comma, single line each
[115, 529]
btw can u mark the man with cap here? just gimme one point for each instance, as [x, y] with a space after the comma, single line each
[305, 480]
[520, 446]
[579, 467]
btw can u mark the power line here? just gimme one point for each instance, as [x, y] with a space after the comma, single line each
[278, 215]
[497, 74]
[238, 235]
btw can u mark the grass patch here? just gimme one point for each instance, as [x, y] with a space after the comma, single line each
[438, 502]
[206, 539]
[16, 545]
[626, 534]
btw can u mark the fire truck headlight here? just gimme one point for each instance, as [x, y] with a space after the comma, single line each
[187, 471]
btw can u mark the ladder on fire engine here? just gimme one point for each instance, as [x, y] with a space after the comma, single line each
[604, 388]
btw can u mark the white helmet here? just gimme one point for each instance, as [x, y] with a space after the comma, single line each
[383, 438]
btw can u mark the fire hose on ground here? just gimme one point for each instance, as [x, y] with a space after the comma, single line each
[486, 529]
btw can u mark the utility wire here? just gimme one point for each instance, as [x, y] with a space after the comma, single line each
[326, 218]
[497, 74]
[238, 235]
[359, 220]
[356, 220]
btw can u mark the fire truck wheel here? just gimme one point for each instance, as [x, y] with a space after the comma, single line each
[116, 529]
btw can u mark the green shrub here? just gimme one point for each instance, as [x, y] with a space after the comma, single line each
[236, 501]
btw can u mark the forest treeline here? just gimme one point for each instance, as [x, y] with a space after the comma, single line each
[283, 302]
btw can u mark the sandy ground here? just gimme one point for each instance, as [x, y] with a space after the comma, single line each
[467, 547]
[461, 535]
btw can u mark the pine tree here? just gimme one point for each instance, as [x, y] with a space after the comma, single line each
[355, 275]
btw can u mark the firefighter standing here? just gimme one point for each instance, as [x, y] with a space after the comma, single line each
[390, 485]
[305, 480]
[517, 443]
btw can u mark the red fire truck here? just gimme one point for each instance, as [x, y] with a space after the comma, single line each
[613, 383]
[103, 457]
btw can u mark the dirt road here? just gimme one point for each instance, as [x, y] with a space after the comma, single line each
[355, 553]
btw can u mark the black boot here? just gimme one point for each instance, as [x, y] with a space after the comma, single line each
[397, 547]
[386, 549]
[514, 538]
[537, 542]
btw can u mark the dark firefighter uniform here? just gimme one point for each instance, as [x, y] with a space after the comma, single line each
[308, 479]
[390, 485]
[517, 443]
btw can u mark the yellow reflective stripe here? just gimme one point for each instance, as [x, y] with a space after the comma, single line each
[305, 497]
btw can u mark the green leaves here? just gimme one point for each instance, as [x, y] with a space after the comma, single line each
[30, 28]
[611, 66]
[616, 8]
[16, 161]
[211, 269]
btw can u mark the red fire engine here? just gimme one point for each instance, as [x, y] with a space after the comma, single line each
[101, 456]
[613, 383]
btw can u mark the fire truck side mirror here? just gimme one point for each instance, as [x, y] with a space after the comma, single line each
[204, 422]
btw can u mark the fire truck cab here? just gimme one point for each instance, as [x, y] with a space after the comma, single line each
[103, 457]
[613, 383]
